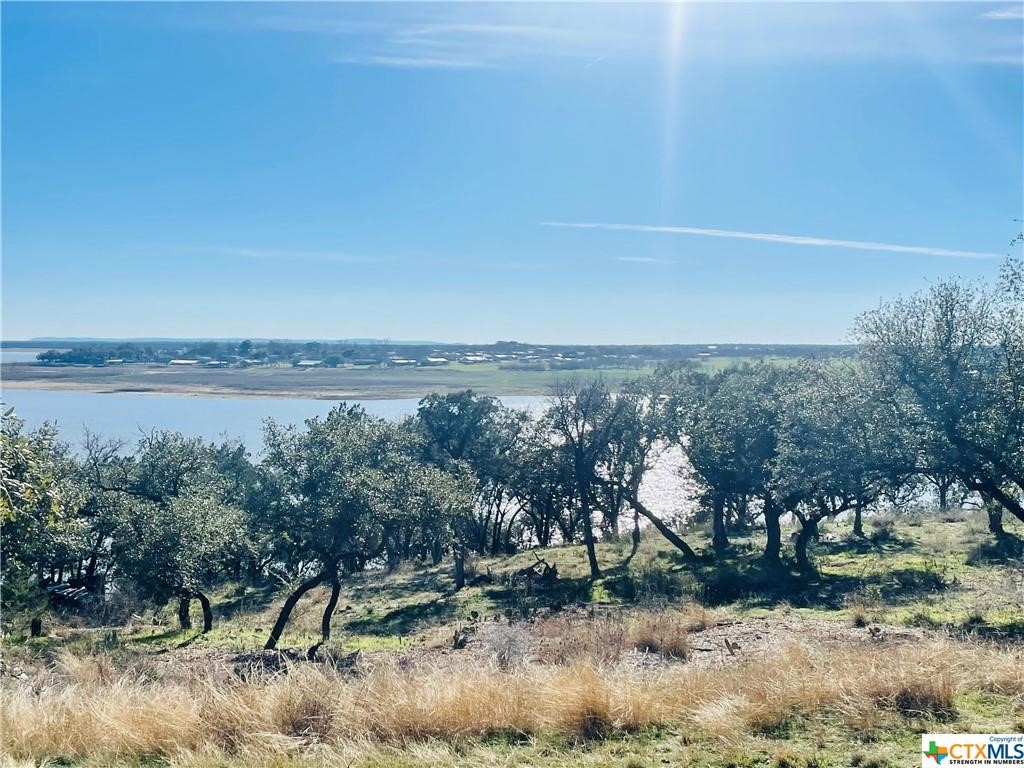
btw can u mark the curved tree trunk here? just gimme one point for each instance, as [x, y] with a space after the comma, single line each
[184, 619]
[663, 529]
[204, 601]
[289, 605]
[325, 622]
[332, 603]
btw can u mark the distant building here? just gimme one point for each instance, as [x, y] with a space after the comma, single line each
[402, 362]
[310, 364]
[431, 361]
[183, 361]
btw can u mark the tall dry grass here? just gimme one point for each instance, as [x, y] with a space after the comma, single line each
[92, 713]
[567, 638]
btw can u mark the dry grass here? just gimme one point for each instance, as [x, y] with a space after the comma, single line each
[603, 639]
[84, 711]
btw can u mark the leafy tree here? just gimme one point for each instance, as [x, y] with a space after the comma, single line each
[543, 483]
[727, 424]
[464, 427]
[955, 353]
[583, 416]
[172, 549]
[173, 521]
[838, 448]
[38, 505]
[633, 444]
[336, 490]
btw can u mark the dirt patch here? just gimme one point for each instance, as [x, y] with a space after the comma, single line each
[746, 640]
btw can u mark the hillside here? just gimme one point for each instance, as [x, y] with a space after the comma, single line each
[916, 627]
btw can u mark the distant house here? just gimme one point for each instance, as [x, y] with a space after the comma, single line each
[310, 364]
[476, 357]
[402, 362]
[182, 361]
[215, 364]
[432, 361]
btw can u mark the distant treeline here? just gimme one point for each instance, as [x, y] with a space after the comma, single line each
[509, 354]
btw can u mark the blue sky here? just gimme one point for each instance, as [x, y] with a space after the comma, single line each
[425, 170]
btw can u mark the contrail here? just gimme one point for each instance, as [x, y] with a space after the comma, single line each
[788, 239]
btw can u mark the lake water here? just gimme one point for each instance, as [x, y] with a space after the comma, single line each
[8, 355]
[667, 488]
[126, 417]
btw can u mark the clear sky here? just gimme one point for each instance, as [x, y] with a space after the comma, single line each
[423, 171]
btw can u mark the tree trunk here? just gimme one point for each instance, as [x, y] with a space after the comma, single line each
[460, 569]
[436, 551]
[719, 539]
[664, 530]
[332, 603]
[858, 520]
[184, 619]
[808, 530]
[943, 488]
[995, 518]
[204, 601]
[1008, 502]
[773, 545]
[289, 605]
[588, 534]
[36, 627]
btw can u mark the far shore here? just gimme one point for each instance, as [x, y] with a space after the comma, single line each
[319, 384]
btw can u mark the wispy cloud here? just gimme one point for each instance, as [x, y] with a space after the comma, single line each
[823, 242]
[1009, 13]
[643, 260]
[474, 35]
[406, 41]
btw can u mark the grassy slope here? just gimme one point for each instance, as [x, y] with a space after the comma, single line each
[928, 573]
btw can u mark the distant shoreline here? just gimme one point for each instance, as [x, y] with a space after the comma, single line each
[289, 383]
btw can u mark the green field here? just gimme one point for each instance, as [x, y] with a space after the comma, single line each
[327, 383]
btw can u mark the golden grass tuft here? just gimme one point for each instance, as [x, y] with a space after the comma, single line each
[603, 639]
